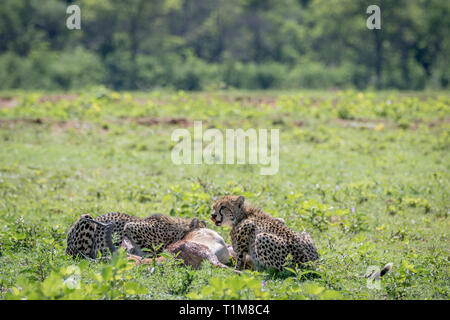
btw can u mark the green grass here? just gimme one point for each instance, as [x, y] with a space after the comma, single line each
[366, 174]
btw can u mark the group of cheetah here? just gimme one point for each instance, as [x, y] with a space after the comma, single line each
[257, 238]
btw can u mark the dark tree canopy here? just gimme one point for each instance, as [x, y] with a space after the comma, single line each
[211, 44]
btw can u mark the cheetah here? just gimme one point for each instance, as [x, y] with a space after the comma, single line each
[88, 236]
[267, 240]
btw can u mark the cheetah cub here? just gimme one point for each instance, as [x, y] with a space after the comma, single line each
[88, 236]
[267, 240]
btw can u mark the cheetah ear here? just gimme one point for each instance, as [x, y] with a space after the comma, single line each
[193, 223]
[240, 201]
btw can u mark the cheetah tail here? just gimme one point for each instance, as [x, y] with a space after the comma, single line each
[109, 228]
[387, 268]
[109, 241]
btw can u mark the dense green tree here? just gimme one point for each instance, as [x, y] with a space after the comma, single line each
[202, 44]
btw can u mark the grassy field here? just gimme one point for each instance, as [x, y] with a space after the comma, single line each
[366, 174]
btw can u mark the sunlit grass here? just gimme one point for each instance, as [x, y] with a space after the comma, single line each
[366, 174]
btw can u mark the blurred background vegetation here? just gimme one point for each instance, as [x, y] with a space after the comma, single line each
[216, 44]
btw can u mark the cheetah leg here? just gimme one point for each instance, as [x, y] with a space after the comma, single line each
[240, 259]
[240, 249]
[133, 248]
[136, 240]
[83, 255]
[109, 230]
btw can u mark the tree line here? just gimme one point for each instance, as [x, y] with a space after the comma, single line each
[214, 44]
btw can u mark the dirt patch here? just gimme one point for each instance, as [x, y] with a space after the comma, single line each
[364, 123]
[431, 124]
[58, 97]
[15, 121]
[141, 101]
[151, 121]
[251, 101]
[62, 126]
[79, 125]
[388, 123]
[8, 102]
[56, 126]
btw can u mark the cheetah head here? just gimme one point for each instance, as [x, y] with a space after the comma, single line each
[227, 209]
[86, 217]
